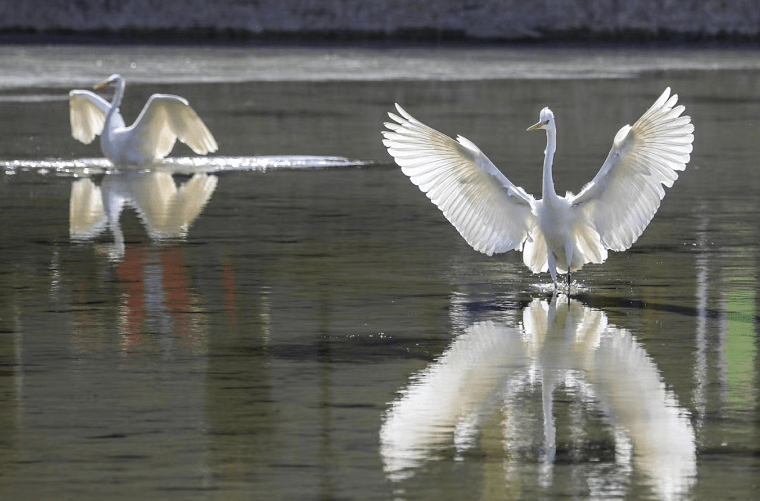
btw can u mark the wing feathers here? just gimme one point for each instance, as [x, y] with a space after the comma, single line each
[490, 212]
[87, 115]
[166, 118]
[644, 160]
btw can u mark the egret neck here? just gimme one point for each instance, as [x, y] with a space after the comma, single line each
[551, 145]
[117, 97]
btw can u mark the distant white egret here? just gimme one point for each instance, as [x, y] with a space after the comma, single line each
[164, 119]
[554, 233]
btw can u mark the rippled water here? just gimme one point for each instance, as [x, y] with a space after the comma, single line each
[292, 319]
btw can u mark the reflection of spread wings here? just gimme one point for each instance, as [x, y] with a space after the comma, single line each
[167, 210]
[87, 217]
[166, 118]
[452, 397]
[87, 114]
[628, 384]
[455, 390]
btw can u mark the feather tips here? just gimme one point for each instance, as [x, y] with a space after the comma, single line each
[644, 160]
[491, 213]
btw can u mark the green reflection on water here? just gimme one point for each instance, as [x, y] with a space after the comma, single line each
[740, 348]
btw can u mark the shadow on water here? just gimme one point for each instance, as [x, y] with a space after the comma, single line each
[594, 299]
[606, 302]
[553, 397]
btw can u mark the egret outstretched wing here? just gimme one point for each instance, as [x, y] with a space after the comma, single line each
[624, 196]
[166, 118]
[87, 113]
[492, 214]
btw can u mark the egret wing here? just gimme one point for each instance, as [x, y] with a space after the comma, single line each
[492, 214]
[624, 196]
[87, 114]
[166, 118]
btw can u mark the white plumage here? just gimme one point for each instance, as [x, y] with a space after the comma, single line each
[164, 119]
[554, 233]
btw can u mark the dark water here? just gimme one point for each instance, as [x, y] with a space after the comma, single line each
[264, 325]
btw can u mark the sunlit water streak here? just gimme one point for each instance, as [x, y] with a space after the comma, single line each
[182, 165]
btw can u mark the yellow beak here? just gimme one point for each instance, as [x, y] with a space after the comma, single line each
[102, 85]
[537, 126]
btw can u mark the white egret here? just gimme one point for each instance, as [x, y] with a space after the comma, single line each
[554, 233]
[164, 119]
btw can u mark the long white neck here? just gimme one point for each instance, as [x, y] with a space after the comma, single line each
[551, 146]
[109, 143]
[117, 97]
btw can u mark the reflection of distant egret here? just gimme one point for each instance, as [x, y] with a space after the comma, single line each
[166, 210]
[164, 119]
[559, 344]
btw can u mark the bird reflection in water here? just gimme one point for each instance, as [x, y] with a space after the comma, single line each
[156, 295]
[492, 372]
[165, 209]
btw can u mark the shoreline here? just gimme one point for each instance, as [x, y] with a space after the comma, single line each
[403, 38]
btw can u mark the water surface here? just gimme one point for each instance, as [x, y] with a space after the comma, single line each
[293, 319]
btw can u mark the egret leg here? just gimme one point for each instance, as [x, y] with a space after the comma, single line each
[553, 270]
[569, 256]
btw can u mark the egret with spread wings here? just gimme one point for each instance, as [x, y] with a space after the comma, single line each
[558, 234]
[164, 119]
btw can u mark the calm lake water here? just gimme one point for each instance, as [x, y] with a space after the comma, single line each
[293, 319]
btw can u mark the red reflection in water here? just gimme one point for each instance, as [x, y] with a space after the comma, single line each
[179, 302]
[132, 308]
[171, 308]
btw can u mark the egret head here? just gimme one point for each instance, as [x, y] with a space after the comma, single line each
[545, 121]
[111, 80]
